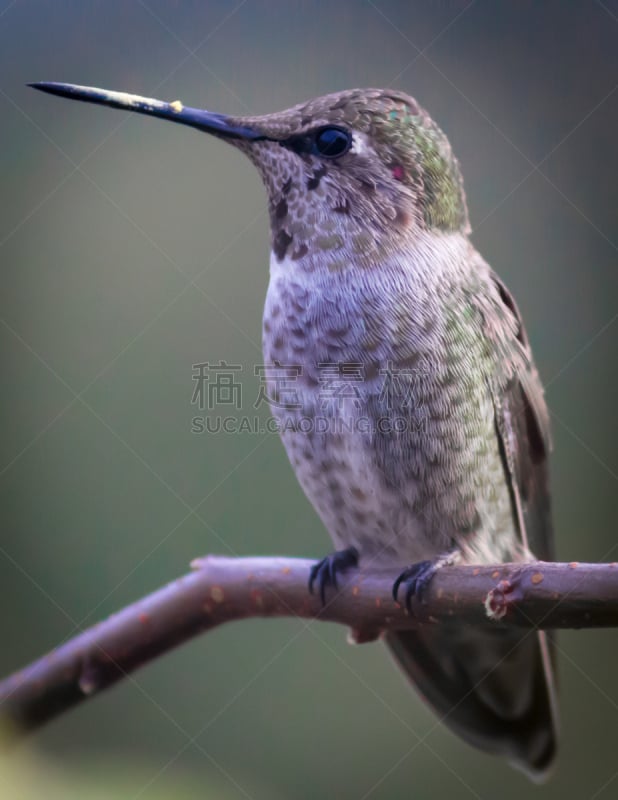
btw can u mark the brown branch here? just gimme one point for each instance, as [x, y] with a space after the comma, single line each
[219, 590]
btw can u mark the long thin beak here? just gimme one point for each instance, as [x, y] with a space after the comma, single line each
[201, 119]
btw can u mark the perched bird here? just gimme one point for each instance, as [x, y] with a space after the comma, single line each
[417, 425]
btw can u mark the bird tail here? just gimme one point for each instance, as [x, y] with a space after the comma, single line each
[495, 689]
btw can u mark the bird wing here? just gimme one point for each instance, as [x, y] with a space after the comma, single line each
[496, 688]
[522, 424]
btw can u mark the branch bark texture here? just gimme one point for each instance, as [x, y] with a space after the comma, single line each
[220, 589]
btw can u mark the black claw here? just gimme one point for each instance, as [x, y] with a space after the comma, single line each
[416, 579]
[325, 571]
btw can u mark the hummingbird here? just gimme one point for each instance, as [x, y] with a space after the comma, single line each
[410, 352]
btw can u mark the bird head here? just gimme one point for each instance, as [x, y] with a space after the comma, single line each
[350, 175]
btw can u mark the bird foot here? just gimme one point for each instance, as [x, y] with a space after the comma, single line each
[325, 572]
[417, 576]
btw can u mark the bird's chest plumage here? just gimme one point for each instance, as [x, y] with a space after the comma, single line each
[389, 429]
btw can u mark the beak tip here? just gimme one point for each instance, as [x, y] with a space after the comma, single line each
[51, 87]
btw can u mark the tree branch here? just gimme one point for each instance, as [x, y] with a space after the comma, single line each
[536, 595]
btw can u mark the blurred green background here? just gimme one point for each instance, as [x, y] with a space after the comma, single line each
[131, 249]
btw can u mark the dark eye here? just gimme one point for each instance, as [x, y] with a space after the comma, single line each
[332, 142]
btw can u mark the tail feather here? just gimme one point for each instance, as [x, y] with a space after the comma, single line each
[495, 689]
